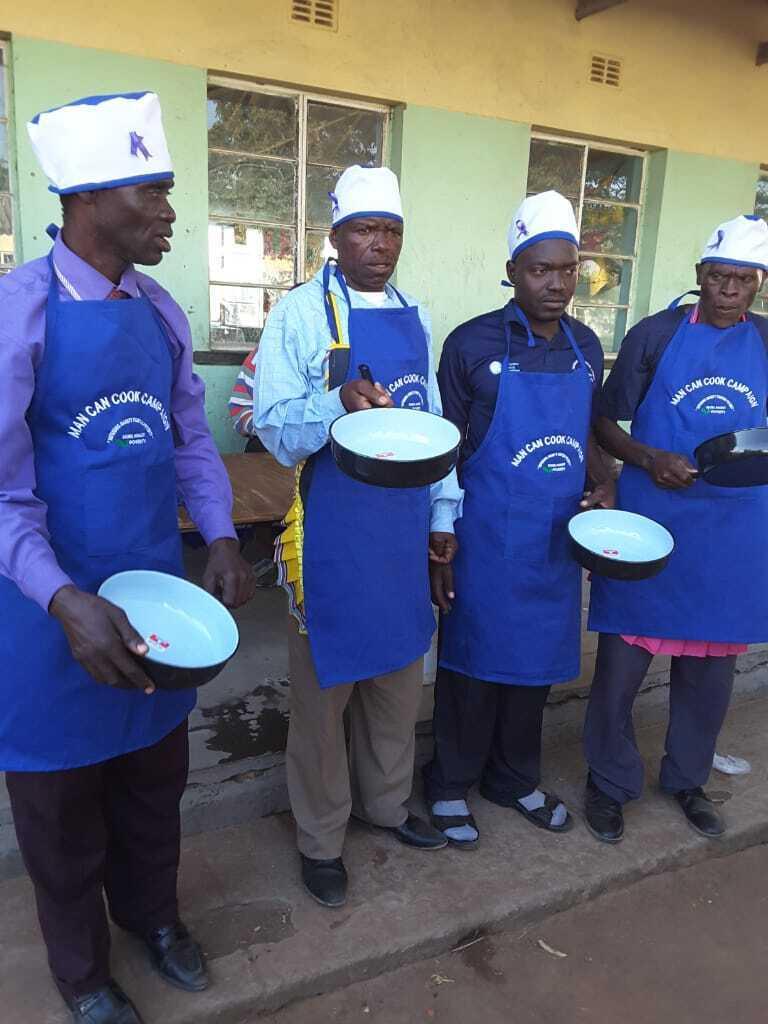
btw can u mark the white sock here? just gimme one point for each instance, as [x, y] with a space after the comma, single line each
[450, 809]
[536, 799]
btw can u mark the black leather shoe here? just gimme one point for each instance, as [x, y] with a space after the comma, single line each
[605, 819]
[419, 834]
[325, 880]
[700, 812]
[105, 1005]
[177, 958]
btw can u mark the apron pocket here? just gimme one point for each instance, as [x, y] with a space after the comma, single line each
[529, 527]
[537, 528]
[129, 507]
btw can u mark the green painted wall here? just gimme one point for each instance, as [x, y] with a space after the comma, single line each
[462, 178]
[46, 74]
[698, 193]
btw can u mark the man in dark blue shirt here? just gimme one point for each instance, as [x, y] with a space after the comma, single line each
[519, 383]
[682, 376]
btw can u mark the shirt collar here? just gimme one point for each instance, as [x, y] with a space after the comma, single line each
[87, 282]
[335, 287]
[559, 339]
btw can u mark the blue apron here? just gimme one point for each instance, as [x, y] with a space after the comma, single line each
[709, 381]
[365, 554]
[516, 617]
[104, 465]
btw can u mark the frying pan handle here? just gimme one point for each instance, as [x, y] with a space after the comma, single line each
[365, 373]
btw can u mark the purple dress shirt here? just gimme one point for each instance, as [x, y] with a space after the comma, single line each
[26, 556]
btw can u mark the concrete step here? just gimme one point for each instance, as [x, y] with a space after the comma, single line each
[268, 943]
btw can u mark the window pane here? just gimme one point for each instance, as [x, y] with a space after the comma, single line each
[760, 305]
[6, 233]
[238, 314]
[320, 181]
[341, 136]
[614, 176]
[555, 165]
[761, 199]
[319, 249]
[251, 255]
[252, 122]
[608, 229]
[604, 280]
[4, 179]
[610, 325]
[251, 188]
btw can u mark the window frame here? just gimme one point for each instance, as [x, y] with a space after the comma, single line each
[760, 305]
[586, 144]
[304, 97]
[7, 120]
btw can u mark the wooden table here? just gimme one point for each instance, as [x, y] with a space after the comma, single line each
[262, 490]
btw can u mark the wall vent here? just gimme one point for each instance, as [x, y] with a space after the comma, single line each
[320, 13]
[605, 70]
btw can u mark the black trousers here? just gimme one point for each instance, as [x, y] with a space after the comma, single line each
[113, 826]
[699, 694]
[484, 732]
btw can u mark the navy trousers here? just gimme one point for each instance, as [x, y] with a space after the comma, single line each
[111, 828]
[484, 732]
[699, 694]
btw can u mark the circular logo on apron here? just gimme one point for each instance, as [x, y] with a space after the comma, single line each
[495, 367]
[715, 405]
[555, 462]
[412, 400]
[130, 432]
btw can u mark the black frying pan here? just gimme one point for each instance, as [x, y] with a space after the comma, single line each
[394, 447]
[738, 459]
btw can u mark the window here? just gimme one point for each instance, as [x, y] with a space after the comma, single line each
[7, 248]
[273, 156]
[605, 185]
[760, 305]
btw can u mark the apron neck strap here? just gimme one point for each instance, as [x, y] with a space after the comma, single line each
[565, 327]
[339, 275]
[676, 302]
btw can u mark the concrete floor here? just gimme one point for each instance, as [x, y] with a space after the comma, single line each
[687, 947]
[269, 944]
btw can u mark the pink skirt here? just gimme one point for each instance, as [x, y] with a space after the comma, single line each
[686, 648]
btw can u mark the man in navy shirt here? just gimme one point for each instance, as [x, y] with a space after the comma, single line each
[519, 383]
[682, 376]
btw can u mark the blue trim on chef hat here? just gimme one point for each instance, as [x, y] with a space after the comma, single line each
[734, 263]
[362, 214]
[100, 186]
[543, 236]
[91, 101]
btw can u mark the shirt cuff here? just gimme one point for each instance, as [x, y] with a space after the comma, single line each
[442, 516]
[41, 586]
[331, 406]
[215, 525]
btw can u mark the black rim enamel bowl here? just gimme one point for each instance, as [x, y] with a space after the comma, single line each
[738, 459]
[620, 545]
[395, 447]
[190, 635]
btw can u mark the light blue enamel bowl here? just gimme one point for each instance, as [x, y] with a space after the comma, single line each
[190, 635]
[621, 545]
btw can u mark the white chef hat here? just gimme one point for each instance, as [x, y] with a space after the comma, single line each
[365, 192]
[743, 241]
[546, 215]
[102, 142]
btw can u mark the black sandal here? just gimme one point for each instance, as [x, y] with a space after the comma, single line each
[542, 816]
[443, 821]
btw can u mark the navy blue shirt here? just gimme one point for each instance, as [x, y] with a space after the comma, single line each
[470, 366]
[639, 355]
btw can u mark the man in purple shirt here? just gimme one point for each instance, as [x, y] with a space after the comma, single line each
[101, 419]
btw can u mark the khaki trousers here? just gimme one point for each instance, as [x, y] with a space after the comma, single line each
[374, 780]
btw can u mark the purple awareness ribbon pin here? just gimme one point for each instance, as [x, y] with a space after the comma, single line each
[521, 228]
[137, 146]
